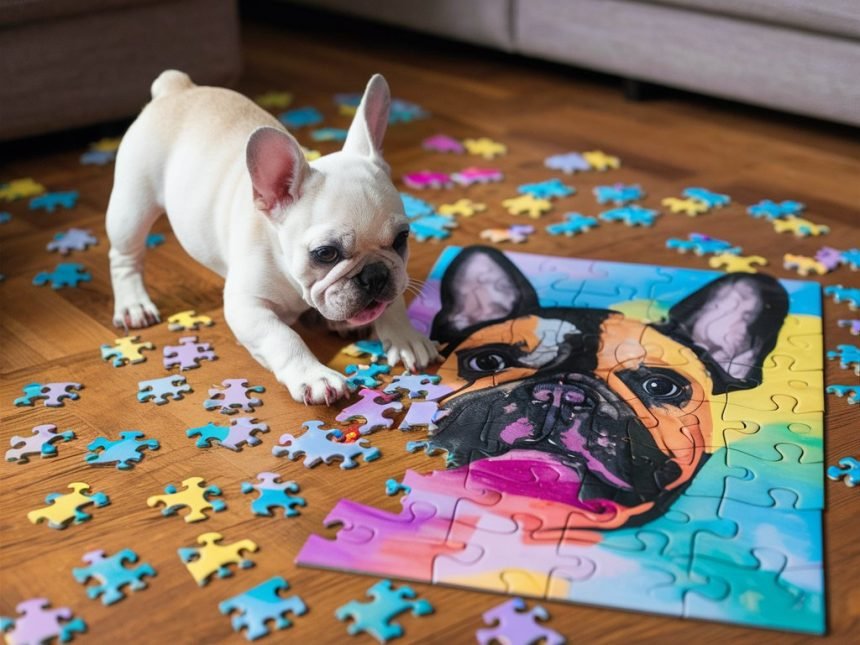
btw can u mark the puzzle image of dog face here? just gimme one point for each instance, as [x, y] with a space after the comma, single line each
[600, 393]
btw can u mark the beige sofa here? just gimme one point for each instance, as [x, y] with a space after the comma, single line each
[68, 63]
[799, 56]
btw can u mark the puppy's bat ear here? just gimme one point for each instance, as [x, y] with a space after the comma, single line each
[479, 286]
[277, 167]
[370, 121]
[732, 324]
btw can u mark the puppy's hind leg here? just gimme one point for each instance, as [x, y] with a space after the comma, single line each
[131, 212]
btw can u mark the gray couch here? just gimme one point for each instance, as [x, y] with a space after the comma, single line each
[792, 55]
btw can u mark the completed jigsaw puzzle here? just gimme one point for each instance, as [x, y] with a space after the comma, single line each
[628, 436]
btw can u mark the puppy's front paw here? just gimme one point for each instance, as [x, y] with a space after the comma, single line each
[414, 349]
[314, 384]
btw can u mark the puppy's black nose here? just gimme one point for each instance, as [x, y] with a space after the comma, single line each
[373, 279]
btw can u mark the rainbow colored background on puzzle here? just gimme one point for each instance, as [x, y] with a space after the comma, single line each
[742, 544]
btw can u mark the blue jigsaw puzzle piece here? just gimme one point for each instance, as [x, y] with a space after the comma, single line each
[574, 224]
[261, 605]
[49, 202]
[300, 117]
[124, 452]
[431, 227]
[712, 199]
[771, 210]
[619, 194]
[631, 215]
[549, 189]
[66, 274]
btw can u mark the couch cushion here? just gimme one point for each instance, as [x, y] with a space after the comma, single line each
[483, 22]
[840, 17]
[15, 12]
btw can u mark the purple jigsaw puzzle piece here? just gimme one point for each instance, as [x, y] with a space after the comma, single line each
[232, 396]
[188, 354]
[239, 433]
[419, 386]
[829, 257]
[443, 143]
[53, 393]
[160, 390]
[421, 414]
[516, 625]
[375, 414]
[38, 624]
[567, 163]
[852, 325]
[317, 447]
[41, 442]
[75, 239]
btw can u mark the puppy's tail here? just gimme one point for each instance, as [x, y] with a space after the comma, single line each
[170, 81]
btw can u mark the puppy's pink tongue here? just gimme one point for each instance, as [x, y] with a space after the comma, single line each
[367, 315]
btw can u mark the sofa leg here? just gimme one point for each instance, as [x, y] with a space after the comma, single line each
[635, 90]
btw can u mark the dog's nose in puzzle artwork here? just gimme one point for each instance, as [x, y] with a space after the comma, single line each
[620, 435]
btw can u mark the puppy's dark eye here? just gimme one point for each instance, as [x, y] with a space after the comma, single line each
[487, 363]
[326, 254]
[660, 387]
[477, 363]
[400, 241]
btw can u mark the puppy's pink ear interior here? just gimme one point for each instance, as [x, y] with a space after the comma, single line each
[371, 120]
[277, 166]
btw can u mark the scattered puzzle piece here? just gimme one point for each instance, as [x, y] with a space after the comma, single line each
[49, 202]
[432, 227]
[75, 239]
[196, 497]
[772, 210]
[111, 575]
[848, 471]
[124, 452]
[442, 143]
[365, 375]
[421, 414]
[702, 245]
[549, 189]
[851, 257]
[632, 215]
[261, 605]
[803, 265]
[392, 487]
[375, 414]
[20, 189]
[67, 274]
[40, 442]
[844, 294]
[240, 432]
[370, 349]
[274, 100]
[106, 144]
[848, 355]
[517, 233]
[188, 354]
[274, 494]
[188, 321]
[5, 218]
[212, 558]
[737, 263]
[852, 392]
[37, 624]
[485, 147]
[513, 624]
[405, 112]
[125, 351]
[852, 325]
[418, 386]
[97, 158]
[799, 227]
[527, 205]
[329, 134]
[317, 447]
[618, 194]
[232, 396]
[709, 198]
[567, 163]
[300, 117]
[311, 155]
[154, 239]
[161, 390]
[462, 207]
[472, 175]
[424, 179]
[375, 617]
[52, 393]
[415, 207]
[691, 207]
[601, 161]
[829, 257]
[65, 509]
[574, 224]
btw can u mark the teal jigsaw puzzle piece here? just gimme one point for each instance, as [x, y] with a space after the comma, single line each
[260, 605]
[112, 575]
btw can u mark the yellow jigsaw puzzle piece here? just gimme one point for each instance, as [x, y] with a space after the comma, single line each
[484, 147]
[691, 207]
[106, 145]
[347, 110]
[192, 497]
[62, 509]
[599, 160]
[20, 188]
[527, 205]
[211, 558]
[126, 350]
[188, 320]
[799, 226]
[274, 100]
[737, 263]
[311, 155]
[803, 265]
[462, 207]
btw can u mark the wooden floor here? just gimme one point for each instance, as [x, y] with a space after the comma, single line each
[537, 110]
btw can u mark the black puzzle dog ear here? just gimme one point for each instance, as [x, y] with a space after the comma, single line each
[481, 285]
[732, 324]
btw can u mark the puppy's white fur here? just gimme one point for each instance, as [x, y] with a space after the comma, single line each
[243, 201]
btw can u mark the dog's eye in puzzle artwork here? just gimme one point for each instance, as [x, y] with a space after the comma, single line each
[629, 436]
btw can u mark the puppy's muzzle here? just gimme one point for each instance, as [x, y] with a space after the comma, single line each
[373, 279]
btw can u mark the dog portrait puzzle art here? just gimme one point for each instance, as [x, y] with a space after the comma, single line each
[631, 436]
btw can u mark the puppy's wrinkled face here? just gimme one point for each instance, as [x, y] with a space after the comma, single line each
[346, 242]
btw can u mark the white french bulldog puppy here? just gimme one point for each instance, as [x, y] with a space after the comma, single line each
[287, 236]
